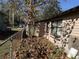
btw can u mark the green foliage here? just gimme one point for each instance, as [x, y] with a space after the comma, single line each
[51, 9]
[73, 58]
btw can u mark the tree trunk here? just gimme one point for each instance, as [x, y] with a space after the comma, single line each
[13, 18]
[10, 17]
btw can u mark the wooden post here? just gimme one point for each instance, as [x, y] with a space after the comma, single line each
[11, 50]
[45, 28]
[49, 26]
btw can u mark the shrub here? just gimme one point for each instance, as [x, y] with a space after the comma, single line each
[39, 48]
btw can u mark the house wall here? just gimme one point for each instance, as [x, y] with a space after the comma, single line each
[41, 29]
[70, 32]
[74, 36]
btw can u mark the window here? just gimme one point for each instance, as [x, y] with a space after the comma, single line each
[56, 29]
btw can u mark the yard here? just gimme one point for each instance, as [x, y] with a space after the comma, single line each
[39, 48]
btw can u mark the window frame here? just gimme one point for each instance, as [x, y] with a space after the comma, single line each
[56, 27]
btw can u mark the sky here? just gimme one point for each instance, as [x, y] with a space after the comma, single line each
[67, 4]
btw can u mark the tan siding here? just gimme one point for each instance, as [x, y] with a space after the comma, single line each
[75, 30]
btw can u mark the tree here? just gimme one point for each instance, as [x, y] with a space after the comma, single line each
[48, 7]
[51, 9]
[31, 10]
[14, 10]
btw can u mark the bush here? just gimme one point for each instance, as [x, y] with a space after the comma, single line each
[39, 48]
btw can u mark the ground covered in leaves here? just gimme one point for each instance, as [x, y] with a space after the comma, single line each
[39, 48]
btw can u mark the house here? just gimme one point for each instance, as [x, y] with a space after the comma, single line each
[63, 29]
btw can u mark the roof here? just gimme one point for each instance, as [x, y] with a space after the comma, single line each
[60, 16]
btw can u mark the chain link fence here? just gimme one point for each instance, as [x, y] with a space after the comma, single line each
[10, 45]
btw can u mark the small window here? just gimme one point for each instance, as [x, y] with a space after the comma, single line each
[56, 29]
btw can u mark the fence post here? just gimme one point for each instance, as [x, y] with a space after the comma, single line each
[11, 49]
